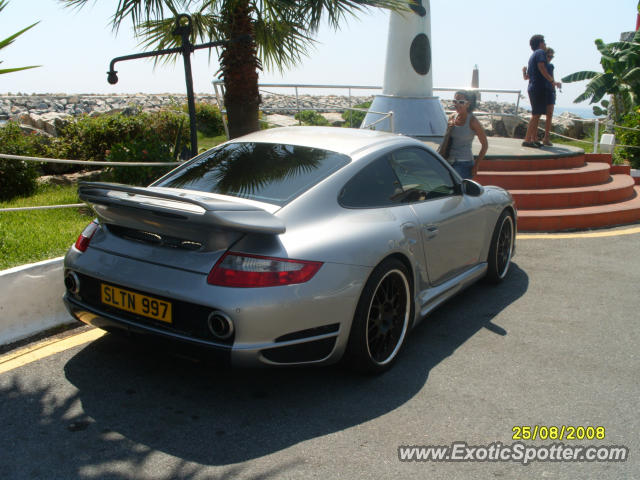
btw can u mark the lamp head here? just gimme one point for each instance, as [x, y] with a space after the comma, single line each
[112, 77]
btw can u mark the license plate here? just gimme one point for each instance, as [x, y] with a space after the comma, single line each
[136, 303]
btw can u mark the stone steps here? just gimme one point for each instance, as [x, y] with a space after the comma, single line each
[618, 188]
[559, 190]
[530, 164]
[587, 174]
[594, 216]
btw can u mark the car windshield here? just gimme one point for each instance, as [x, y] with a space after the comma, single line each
[265, 172]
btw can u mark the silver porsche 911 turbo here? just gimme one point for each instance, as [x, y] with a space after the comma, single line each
[289, 246]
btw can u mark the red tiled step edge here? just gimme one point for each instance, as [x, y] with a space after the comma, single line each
[618, 189]
[625, 169]
[598, 157]
[555, 220]
[590, 174]
[529, 164]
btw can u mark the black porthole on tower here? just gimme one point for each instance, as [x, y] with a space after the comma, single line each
[420, 54]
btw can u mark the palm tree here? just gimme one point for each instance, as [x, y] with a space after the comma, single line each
[620, 77]
[9, 40]
[277, 34]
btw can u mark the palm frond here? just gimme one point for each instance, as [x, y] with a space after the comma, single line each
[281, 44]
[158, 34]
[596, 88]
[9, 70]
[579, 76]
[337, 10]
[9, 40]
[139, 11]
[632, 75]
[601, 86]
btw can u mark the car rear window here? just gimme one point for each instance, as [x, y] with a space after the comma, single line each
[265, 172]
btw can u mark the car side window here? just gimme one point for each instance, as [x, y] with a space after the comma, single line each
[421, 175]
[376, 185]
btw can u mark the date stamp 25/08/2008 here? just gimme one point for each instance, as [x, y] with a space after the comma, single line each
[557, 432]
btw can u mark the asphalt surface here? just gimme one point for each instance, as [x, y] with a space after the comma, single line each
[555, 344]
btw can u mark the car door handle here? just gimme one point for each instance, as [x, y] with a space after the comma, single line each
[430, 231]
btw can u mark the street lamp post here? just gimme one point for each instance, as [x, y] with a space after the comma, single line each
[183, 28]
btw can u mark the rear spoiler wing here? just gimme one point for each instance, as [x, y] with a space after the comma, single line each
[117, 203]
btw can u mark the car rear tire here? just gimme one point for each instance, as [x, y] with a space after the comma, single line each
[382, 318]
[501, 248]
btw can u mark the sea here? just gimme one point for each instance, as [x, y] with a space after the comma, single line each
[582, 112]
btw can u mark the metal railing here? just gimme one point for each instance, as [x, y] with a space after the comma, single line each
[218, 86]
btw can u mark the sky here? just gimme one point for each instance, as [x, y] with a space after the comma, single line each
[75, 47]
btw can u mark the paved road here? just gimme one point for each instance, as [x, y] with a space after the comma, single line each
[556, 344]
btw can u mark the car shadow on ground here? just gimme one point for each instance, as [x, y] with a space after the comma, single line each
[130, 392]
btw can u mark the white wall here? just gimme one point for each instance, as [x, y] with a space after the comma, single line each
[31, 300]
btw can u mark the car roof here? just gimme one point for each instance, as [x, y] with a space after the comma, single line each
[347, 141]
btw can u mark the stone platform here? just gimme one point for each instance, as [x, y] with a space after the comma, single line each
[560, 188]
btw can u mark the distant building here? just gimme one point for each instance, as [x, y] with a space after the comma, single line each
[627, 36]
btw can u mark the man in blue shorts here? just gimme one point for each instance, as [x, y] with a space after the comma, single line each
[539, 81]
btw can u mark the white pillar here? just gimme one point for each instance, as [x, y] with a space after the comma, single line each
[408, 65]
[408, 81]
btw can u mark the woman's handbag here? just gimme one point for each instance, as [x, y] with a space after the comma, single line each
[445, 147]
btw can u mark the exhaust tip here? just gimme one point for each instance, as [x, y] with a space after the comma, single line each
[220, 325]
[72, 282]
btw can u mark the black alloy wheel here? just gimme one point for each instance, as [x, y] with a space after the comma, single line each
[382, 318]
[501, 248]
[387, 317]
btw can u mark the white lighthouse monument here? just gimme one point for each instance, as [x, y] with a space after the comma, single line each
[408, 83]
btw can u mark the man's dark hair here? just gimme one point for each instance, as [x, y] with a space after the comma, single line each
[535, 41]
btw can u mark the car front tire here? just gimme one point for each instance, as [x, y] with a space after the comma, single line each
[382, 318]
[501, 248]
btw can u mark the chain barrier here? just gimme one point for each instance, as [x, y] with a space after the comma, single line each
[617, 145]
[89, 162]
[46, 207]
[626, 128]
[591, 120]
[75, 162]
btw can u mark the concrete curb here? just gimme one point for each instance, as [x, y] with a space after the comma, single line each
[31, 300]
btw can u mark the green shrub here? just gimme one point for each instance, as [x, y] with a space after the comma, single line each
[138, 150]
[354, 118]
[17, 177]
[311, 117]
[88, 138]
[208, 119]
[631, 138]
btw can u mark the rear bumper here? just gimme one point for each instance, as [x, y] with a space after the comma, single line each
[106, 321]
[297, 324]
[312, 346]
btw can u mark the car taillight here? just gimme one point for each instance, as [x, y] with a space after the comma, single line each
[245, 270]
[85, 237]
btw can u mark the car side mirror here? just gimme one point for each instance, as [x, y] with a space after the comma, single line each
[471, 188]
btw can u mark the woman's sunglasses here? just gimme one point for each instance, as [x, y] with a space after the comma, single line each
[460, 102]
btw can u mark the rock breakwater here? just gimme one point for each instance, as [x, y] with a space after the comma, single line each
[44, 112]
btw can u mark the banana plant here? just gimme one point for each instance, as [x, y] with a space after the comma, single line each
[620, 77]
[9, 40]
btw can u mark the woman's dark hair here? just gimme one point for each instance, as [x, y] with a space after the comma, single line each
[535, 41]
[469, 97]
